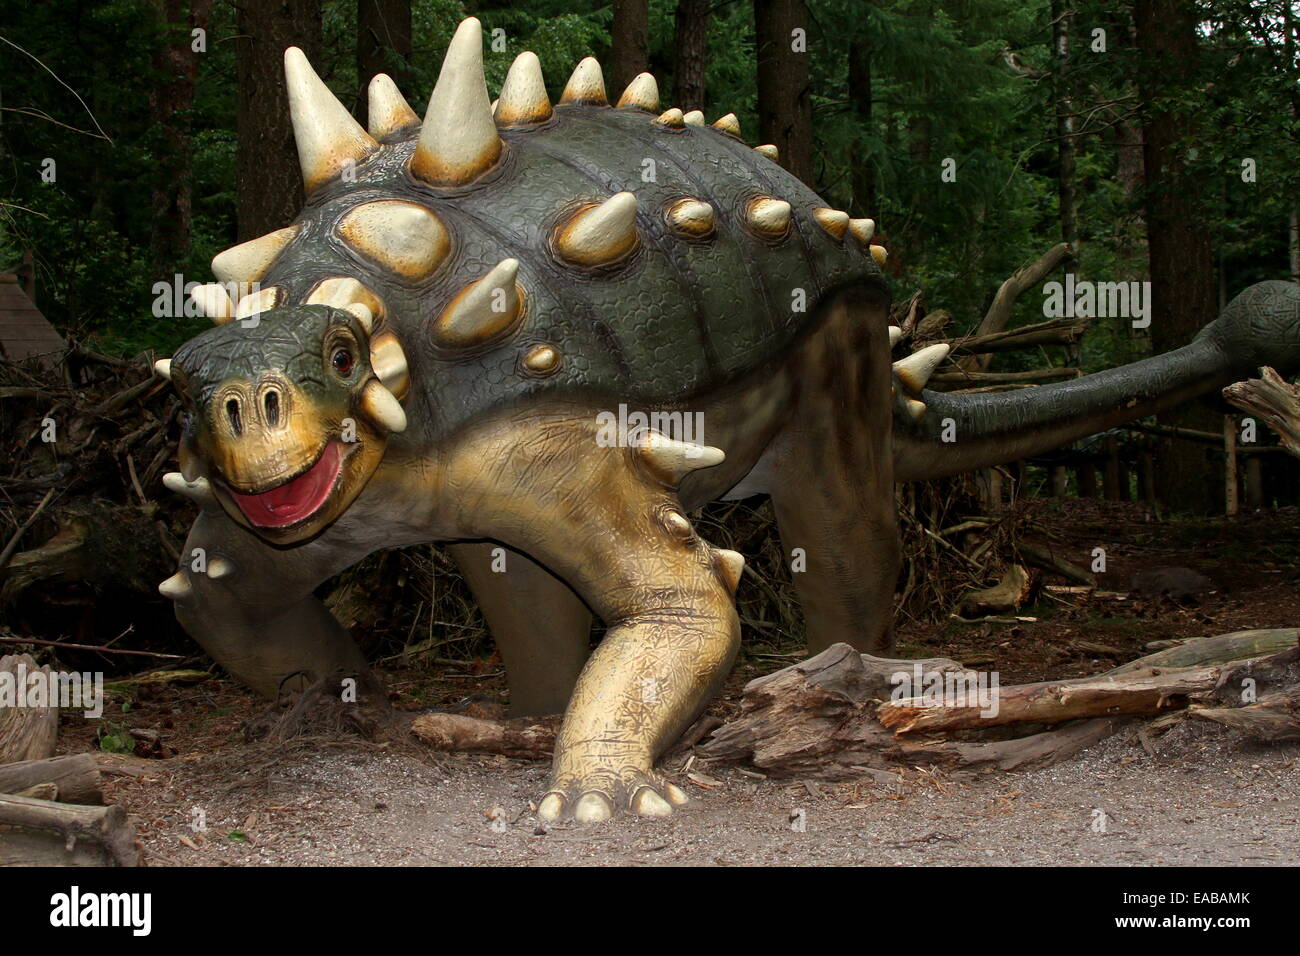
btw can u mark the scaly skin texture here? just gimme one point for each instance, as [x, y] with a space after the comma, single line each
[443, 333]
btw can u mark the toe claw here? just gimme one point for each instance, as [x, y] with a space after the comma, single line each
[551, 807]
[676, 795]
[593, 808]
[647, 803]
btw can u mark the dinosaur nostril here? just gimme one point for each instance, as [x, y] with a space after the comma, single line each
[232, 412]
[271, 402]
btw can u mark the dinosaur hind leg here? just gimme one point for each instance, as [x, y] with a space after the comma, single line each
[541, 628]
[833, 485]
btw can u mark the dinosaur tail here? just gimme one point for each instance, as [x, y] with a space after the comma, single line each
[959, 432]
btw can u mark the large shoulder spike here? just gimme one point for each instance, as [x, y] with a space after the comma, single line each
[586, 85]
[915, 370]
[214, 301]
[458, 140]
[642, 93]
[382, 408]
[672, 460]
[599, 234]
[248, 261]
[328, 138]
[387, 108]
[523, 95]
[483, 311]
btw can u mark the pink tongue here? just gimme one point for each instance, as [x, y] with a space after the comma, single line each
[293, 500]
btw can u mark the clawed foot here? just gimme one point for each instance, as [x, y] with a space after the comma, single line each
[594, 799]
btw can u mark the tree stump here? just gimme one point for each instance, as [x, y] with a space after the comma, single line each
[26, 733]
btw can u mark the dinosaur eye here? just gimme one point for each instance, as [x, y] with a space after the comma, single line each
[341, 360]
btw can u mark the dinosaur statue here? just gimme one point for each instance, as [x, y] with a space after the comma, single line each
[435, 351]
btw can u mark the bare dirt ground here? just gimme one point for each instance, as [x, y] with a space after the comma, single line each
[1199, 795]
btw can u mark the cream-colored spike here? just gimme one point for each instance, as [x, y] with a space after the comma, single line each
[728, 124]
[344, 292]
[691, 218]
[863, 230]
[601, 233]
[483, 311]
[214, 301]
[586, 85]
[219, 567]
[835, 222]
[895, 335]
[388, 359]
[673, 119]
[770, 151]
[915, 410]
[673, 460]
[199, 490]
[915, 370]
[248, 261]
[693, 118]
[363, 314]
[381, 407]
[642, 93]
[458, 141]
[730, 565]
[177, 587]
[769, 217]
[387, 108]
[880, 254]
[329, 139]
[403, 237]
[163, 368]
[523, 95]
[263, 300]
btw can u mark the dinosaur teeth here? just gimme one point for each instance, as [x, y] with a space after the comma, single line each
[214, 302]
[770, 151]
[671, 460]
[599, 234]
[730, 565]
[642, 93]
[586, 85]
[895, 335]
[691, 218]
[199, 490]
[248, 261]
[880, 254]
[388, 359]
[523, 95]
[458, 141]
[344, 292]
[163, 368]
[379, 405]
[176, 588]
[673, 119]
[403, 237]
[728, 124]
[863, 230]
[219, 567]
[484, 311]
[263, 300]
[693, 118]
[835, 222]
[915, 370]
[768, 217]
[329, 139]
[387, 109]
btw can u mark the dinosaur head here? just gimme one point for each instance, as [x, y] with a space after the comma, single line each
[1261, 326]
[287, 417]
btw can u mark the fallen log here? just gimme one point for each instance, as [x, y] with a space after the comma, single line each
[521, 737]
[75, 779]
[1221, 649]
[44, 833]
[1011, 591]
[1275, 400]
[1042, 558]
[26, 733]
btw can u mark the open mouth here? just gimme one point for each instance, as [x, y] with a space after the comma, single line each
[298, 498]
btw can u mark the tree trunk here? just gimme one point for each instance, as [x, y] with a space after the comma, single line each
[1181, 256]
[266, 165]
[862, 172]
[629, 38]
[691, 43]
[383, 46]
[784, 100]
[26, 732]
[1062, 20]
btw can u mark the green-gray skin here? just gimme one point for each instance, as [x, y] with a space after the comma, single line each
[782, 345]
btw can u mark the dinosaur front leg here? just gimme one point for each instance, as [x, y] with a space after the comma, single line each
[608, 521]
